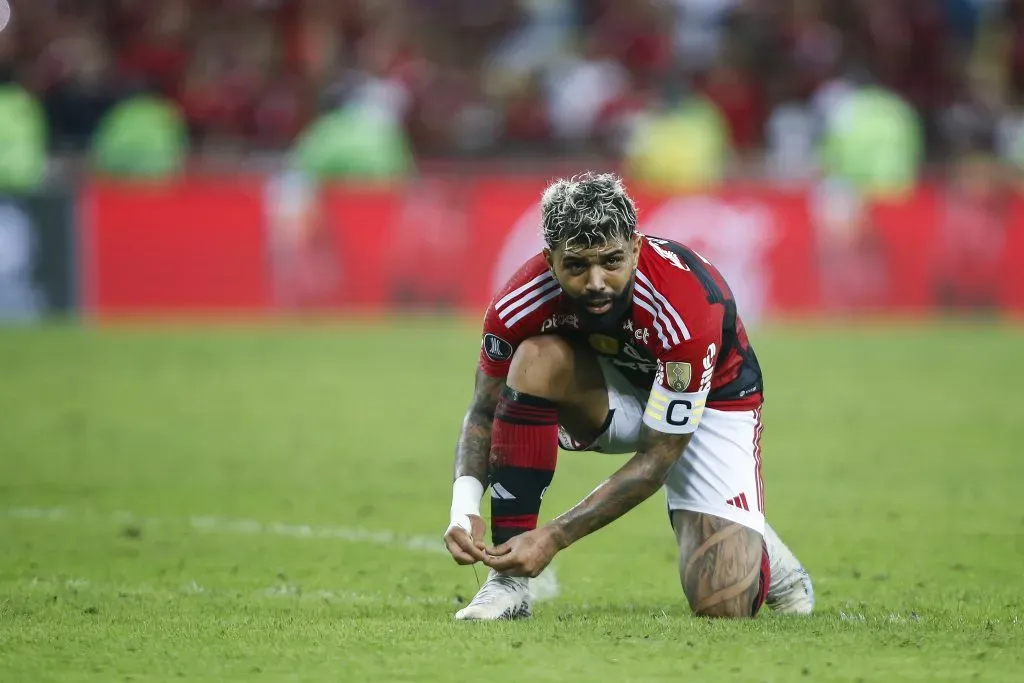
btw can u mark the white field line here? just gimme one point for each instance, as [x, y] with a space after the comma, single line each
[284, 590]
[544, 587]
[239, 527]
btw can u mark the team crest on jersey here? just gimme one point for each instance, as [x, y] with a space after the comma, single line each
[678, 376]
[496, 348]
[602, 343]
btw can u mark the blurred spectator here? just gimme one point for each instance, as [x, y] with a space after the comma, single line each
[699, 30]
[22, 139]
[157, 52]
[740, 102]
[358, 141]
[486, 77]
[142, 137]
[580, 87]
[790, 134]
[682, 145]
[873, 141]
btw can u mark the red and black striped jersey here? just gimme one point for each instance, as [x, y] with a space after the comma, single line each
[682, 331]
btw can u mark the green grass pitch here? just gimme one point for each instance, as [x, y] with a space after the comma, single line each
[266, 503]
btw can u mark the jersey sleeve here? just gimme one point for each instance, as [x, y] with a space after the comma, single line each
[682, 383]
[497, 344]
[516, 313]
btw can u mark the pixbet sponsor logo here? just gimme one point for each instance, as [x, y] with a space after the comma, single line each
[560, 320]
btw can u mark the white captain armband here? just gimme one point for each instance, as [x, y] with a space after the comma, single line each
[674, 413]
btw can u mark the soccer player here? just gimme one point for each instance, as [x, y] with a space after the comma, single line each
[614, 341]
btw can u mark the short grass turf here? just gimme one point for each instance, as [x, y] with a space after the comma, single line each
[266, 502]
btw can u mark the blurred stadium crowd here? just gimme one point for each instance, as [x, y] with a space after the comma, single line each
[737, 86]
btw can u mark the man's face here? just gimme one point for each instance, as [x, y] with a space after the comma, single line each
[598, 280]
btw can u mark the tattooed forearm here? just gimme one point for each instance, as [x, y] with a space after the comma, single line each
[719, 564]
[474, 446]
[633, 483]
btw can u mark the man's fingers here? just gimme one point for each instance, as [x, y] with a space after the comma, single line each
[467, 546]
[507, 564]
[501, 563]
[457, 553]
[464, 546]
[503, 549]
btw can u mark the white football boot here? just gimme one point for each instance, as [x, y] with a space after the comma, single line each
[790, 591]
[501, 597]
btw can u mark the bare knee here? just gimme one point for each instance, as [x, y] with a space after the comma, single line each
[719, 565]
[542, 366]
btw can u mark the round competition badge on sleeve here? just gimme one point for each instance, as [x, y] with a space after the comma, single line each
[496, 348]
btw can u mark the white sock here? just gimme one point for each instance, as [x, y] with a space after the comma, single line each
[780, 558]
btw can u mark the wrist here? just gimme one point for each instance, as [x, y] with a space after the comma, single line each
[467, 491]
[559, 535]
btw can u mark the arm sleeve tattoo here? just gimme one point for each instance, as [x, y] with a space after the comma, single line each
[474, 445]
[633, 483]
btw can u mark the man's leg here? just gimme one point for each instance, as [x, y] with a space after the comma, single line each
[549, 383]
[706, 542]
[727, 552]
[723, 565]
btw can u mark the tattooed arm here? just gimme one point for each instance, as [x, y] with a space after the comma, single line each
[464, 537]
[633, 483]
[474, 445]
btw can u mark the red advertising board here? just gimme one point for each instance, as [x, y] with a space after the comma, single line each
[191, 247]
[249, 246]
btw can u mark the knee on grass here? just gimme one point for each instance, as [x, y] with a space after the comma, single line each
[720, 565]
[728, 602]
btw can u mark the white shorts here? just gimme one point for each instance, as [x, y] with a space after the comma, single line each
[719, 473]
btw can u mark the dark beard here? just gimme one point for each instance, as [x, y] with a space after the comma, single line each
[608, 323]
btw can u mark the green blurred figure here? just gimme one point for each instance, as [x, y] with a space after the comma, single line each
[22, 140]
[143, 137]
[682, 146]
[874, 141]
[355, 142]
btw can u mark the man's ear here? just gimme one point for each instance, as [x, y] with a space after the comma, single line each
[550, 258]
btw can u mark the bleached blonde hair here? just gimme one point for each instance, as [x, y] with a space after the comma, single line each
[586, 211]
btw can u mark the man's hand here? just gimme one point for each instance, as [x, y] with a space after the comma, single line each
[632, 484]
[524, 555]
[466, 548]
